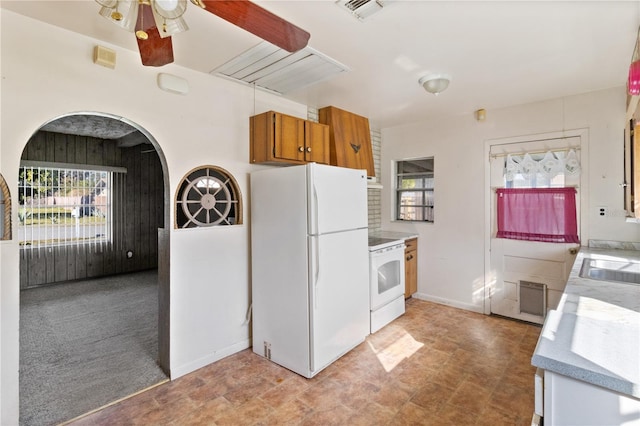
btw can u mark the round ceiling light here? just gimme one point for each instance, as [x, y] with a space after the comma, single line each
[435, 83]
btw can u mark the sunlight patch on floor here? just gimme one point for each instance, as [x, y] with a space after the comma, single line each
[394, 353]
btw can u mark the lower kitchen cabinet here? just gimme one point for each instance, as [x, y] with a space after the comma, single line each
[410, 267]
[568, 401]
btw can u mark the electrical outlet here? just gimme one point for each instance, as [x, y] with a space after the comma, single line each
[602, 211]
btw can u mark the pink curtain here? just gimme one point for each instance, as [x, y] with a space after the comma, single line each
[538, 214]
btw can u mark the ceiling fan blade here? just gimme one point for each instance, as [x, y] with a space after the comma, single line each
[155, 51]
[258, 21]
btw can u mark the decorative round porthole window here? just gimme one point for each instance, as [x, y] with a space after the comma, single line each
[208, 196]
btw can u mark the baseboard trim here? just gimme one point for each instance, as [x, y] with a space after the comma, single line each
[448, 302]
[209, 359]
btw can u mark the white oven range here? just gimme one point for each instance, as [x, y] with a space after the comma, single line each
[386, 280]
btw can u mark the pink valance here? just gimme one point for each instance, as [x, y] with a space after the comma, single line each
[538, 214]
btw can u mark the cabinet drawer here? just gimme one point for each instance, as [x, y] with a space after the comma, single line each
[411, 244]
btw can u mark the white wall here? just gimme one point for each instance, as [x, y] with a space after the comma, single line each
[48, 72]
[451, 266]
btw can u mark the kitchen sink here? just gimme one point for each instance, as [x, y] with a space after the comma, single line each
[611, 270]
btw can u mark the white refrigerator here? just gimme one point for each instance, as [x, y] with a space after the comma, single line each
[309, 264]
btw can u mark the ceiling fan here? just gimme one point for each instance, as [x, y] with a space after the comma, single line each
[155, 21]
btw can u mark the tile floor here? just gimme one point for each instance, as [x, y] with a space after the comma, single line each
[435, 365]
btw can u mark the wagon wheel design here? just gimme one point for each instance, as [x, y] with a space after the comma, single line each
[206, 199]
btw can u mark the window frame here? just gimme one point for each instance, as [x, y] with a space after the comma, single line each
[427, 207]
[199, 188]
[69, 212]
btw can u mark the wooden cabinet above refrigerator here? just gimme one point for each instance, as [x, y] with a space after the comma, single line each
[281, 138]
[349, 138]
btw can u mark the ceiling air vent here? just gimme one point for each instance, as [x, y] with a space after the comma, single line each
[361, 9]
[276, 70]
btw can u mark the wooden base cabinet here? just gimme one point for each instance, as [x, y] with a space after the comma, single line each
[281, 138]
[410, 267]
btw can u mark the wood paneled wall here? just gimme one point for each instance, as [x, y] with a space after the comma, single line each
[138, 213]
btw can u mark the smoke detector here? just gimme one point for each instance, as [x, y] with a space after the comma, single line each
[361, 9]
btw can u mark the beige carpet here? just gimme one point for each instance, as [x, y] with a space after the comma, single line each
[85, 344]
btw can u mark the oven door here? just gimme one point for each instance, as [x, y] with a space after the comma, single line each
[386, 275]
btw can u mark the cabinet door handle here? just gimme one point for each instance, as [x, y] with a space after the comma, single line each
[301, 148]
[410, 257]
[308, 149]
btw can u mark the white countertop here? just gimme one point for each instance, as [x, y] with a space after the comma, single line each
[393, 235]
[594, 334]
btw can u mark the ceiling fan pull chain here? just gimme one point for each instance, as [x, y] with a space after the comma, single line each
[141, 33]
[199, 3]
[115, 15]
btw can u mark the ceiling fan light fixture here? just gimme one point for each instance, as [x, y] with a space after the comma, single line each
[107, 3]
[124, 14]
[169, 9]
[435, 83]
[159, 19]
[169, 27]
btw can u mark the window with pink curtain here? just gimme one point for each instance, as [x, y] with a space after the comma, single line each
[538, 214]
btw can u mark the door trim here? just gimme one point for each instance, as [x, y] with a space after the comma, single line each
[583, 135]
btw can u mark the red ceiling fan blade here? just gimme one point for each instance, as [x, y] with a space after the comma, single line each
[155, 51]
[258, 21]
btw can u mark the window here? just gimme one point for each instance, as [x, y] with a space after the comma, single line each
[208, 196]
[537, 203]
[62, 204]
[414, 190]
[550, 169]
[538, 214]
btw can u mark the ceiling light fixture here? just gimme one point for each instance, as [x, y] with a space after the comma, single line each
[167, 15]
[435, 83]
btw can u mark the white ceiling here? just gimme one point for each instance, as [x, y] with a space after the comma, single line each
[499, 53]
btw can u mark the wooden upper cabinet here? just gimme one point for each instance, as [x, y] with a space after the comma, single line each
[317, 142]
[281, 138]
[350, 139]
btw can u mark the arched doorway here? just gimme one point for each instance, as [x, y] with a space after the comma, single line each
[93, 203]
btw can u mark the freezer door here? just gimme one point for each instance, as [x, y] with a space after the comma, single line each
[337, 199]
[339, 290]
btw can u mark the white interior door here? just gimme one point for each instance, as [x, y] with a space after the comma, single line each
[514, 264]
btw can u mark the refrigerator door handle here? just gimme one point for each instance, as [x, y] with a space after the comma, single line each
[316, 252]
[314, 211]
[313, 305]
